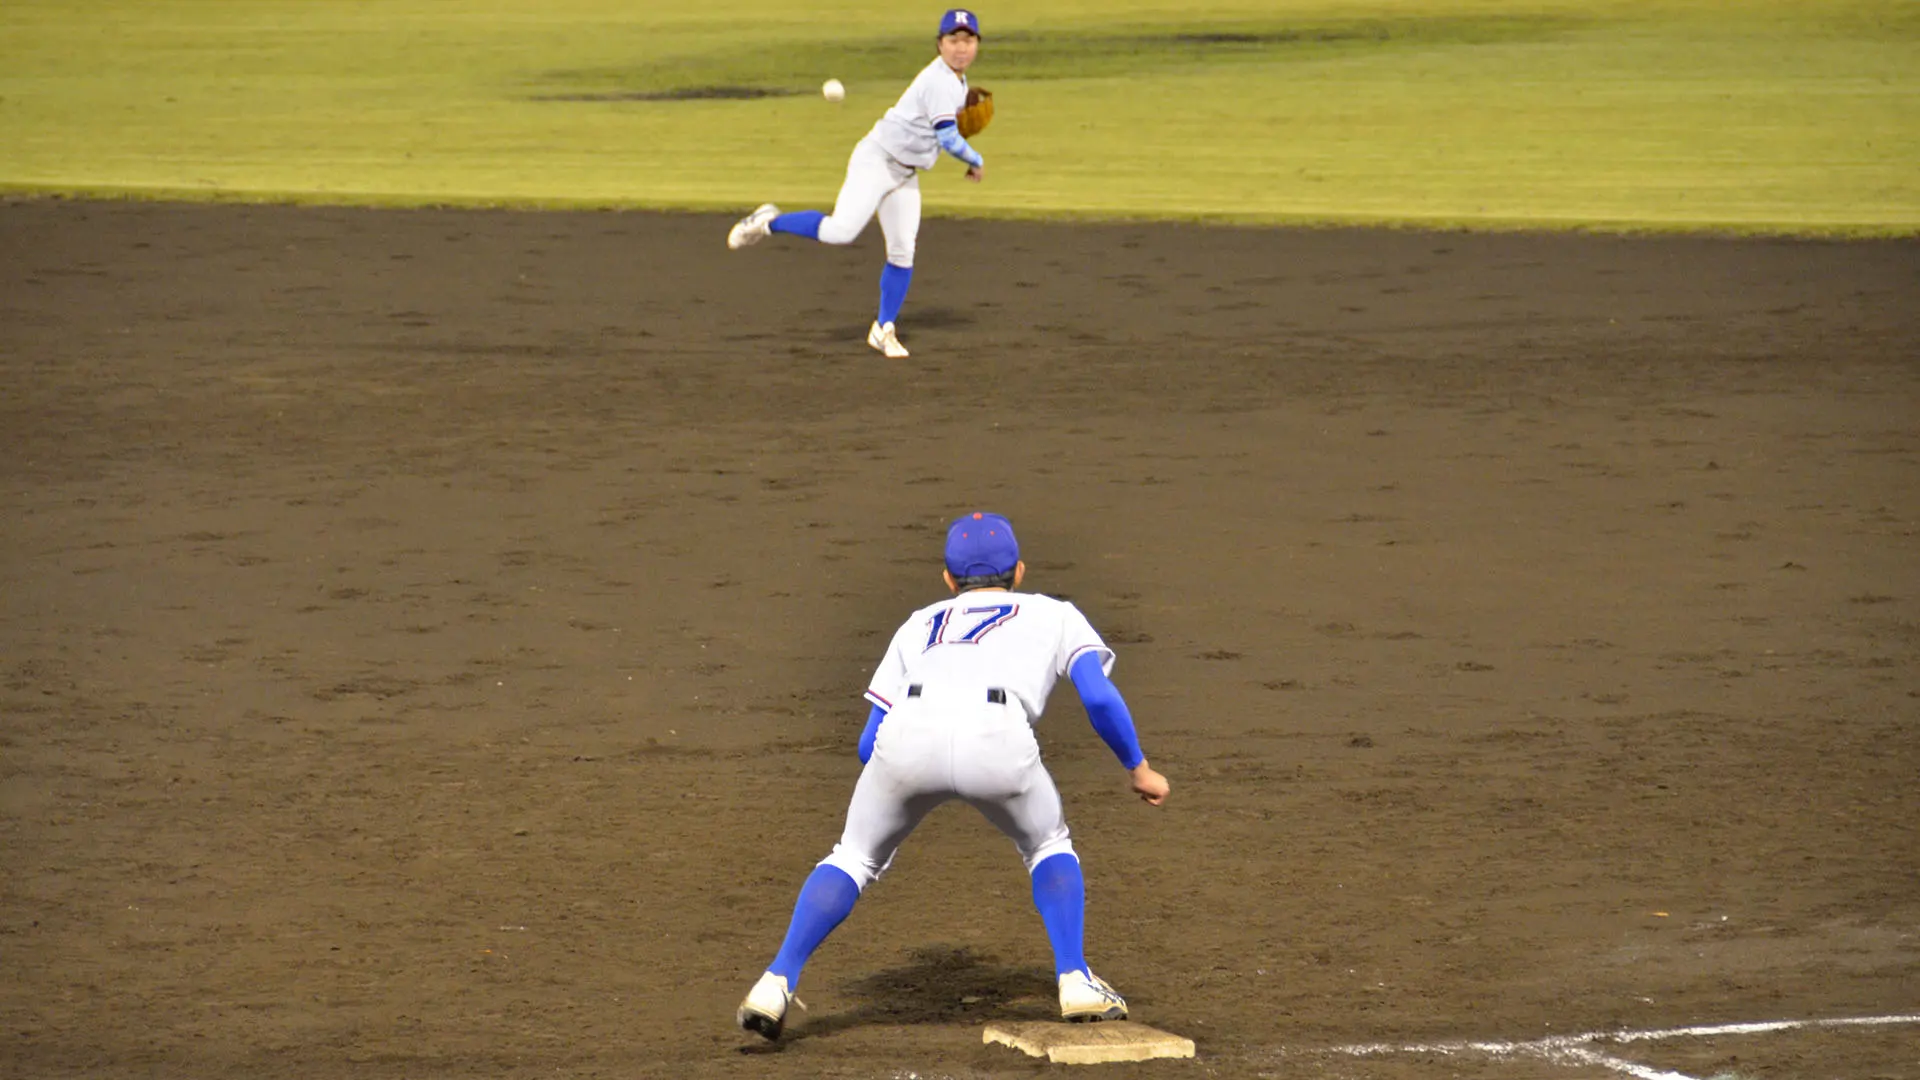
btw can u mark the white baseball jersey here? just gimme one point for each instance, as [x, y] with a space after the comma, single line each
[937, 94]
[1021, 643]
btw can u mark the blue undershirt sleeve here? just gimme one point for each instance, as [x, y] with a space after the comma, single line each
[952, 142]
[1106, 709]
[872, 732]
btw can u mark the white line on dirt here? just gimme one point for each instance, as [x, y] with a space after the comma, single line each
[1638, 1072]
[1575, 1049]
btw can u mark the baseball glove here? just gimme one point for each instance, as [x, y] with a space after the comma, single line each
[974, 119]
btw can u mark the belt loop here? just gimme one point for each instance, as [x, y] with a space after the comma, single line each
[995, 695]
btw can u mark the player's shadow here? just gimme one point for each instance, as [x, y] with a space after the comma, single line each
[941, 984]
[936, 317]
[919, 317]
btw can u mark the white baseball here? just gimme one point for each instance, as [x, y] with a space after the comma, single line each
[832, 90]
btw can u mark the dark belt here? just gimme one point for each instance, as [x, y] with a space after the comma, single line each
[994, 694]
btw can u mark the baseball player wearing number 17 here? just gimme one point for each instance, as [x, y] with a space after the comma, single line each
[883, 174]
[953, 704]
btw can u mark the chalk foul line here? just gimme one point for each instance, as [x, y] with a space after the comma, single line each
[1579, 1050]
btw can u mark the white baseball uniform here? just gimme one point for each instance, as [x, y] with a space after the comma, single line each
[936, 95]
[962, 683]
[883, 172]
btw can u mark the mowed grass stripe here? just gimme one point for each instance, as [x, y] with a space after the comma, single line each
[1781, 116]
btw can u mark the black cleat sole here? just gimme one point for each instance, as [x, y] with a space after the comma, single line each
[764, 1026]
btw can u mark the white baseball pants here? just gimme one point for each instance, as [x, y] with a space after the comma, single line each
[876, 183]
[950, 745]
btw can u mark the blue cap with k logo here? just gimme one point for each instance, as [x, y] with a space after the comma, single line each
[959, 19]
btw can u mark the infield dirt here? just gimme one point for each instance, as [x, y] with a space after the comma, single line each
[432, 642]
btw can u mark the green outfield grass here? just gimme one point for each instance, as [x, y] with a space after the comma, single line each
[1774, 115]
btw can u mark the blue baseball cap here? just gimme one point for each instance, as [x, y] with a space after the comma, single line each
[981, 545]
[960, 19]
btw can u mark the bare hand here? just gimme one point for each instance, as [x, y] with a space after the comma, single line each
[1151, 785]
[976, 173]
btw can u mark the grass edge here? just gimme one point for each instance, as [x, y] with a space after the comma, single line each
[1899, 230]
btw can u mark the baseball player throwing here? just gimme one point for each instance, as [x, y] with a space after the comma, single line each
[953, 704]
[883, 174]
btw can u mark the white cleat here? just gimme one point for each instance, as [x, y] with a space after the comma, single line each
[883, 338]
[764, 1012]
[1085, 996]
[752, 229]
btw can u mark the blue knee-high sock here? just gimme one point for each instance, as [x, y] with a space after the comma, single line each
[825, 900]
[1061, 895]
[893, 290]
[800, 223]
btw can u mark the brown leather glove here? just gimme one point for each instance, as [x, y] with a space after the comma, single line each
[974, 119]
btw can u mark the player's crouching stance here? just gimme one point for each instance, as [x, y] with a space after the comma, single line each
[883, 175]
[954, 702]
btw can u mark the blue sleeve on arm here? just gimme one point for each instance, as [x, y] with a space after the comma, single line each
[1106, 709]
[873, 731]
[951, 141]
